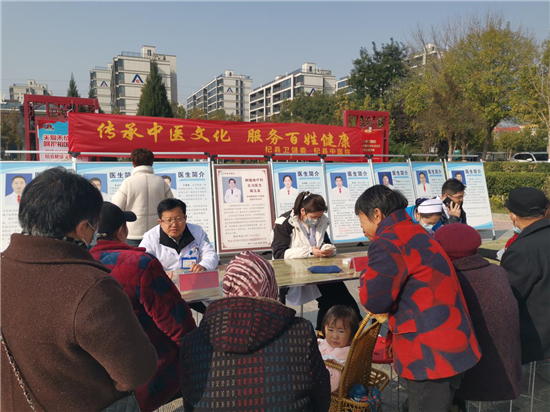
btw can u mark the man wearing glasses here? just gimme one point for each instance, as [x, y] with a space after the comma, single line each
[452, 195]
[178, 244]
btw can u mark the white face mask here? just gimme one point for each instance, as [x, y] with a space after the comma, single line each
[428, 227]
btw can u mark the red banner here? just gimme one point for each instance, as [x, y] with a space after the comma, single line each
[90, 132]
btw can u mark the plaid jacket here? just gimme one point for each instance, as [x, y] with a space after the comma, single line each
[252, 355]
[410, 276]
[161, 311]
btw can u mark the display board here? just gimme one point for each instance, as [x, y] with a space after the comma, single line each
[53, 136]
[189, 181]
[345, 183]
[244, 208]
[476, 202]
[106, 176]
[428, 178]
[289, 179]
[15, 176]
[395, 176]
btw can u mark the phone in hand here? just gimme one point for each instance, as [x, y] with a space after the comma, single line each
[448, 203]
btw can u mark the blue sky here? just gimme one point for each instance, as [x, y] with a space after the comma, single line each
[46, 41]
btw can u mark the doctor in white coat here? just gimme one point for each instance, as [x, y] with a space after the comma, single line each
[178, 244]
[233, 194]
[424, 189]
[340, 191]
[18, 184]
[288, 193]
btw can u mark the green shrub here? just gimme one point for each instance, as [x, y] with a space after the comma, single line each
[539, 167]
[499, 184]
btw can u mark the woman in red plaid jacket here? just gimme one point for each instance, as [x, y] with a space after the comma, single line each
[410, 277]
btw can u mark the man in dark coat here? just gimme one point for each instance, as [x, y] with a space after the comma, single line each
[527, 262]
[452, 196]
[495, 317]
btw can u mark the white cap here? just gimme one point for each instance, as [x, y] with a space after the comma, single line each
[431, 206]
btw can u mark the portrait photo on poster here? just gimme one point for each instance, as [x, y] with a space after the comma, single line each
[339, 185]
[288, 186]
[15, 184]
[99, 180]
[170, 179]
[385, 178]
[459, 175]
[232, 189]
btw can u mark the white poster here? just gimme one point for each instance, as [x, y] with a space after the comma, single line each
[289, 179]
[395, 176]
[245, 215]
[476, 202]
[189, 181]
[15, 176]
[106, 176]
[345, 183]
[428, 178]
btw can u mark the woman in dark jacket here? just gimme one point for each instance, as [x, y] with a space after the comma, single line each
[495, 316]
[250, 352]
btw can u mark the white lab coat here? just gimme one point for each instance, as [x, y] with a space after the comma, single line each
[11, 200]
[424, 193]
[234, 197]
[340, 193]
[171, 259]
[288, 194]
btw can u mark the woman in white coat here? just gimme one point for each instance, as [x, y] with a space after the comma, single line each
[302, 233]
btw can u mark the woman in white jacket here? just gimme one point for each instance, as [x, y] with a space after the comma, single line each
[302, 233]
[141, 193]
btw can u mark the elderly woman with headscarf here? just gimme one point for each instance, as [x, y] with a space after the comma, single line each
[250, 352]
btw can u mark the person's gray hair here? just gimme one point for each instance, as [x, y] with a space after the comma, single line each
[56, 201]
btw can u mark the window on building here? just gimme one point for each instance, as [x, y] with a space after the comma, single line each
[286, 84]
[122, 91]
[93, 75]
[121, 77]
[149, 53]
[122, 103]
[121, 64]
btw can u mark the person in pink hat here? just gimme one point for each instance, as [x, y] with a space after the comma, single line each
[495, 317]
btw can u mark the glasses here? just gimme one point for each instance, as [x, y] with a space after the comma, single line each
[170, 221]
[458, 197]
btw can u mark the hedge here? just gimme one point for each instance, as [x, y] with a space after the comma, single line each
[539, 167]
[499, 184]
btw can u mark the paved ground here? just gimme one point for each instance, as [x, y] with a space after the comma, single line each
[541, 402]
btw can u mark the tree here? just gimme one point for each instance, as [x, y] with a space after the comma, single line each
[154, 99]
[177, 110]
[8, 129]
[373, 75]
[525, 140]
[196, 113]
[318, 108]
[220, 114]
[72, 91]
[486, 63]
[532, 98]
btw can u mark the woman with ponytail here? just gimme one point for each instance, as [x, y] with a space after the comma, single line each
[301, 233]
